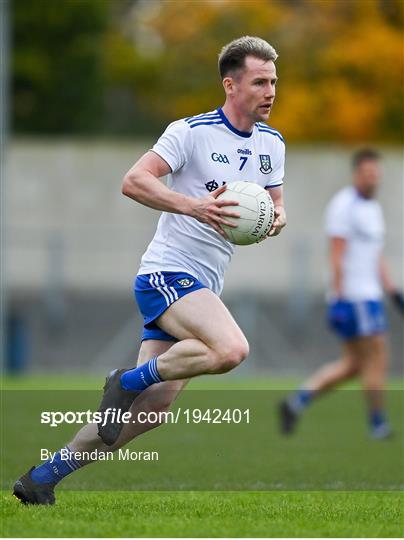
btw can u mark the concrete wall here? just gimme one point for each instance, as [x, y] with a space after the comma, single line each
[68, 222]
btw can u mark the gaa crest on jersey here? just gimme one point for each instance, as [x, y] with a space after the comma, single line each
[265, 161]
[220, 158]
[185, 282]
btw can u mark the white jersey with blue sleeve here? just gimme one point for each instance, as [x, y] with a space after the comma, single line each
[360, 222]
[203, 153]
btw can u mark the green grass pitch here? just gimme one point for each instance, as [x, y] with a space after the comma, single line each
[327, 481]
[206, 514]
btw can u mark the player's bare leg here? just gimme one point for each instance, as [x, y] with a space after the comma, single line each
[210, 341]
[366, 356]
[325, 378]
[373, 367]
[157, 398]
[334, 373]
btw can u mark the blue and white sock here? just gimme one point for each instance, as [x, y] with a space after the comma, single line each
[300, 400]
[53, 471]
[142, 377]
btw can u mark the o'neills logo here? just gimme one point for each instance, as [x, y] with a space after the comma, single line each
[261, 218]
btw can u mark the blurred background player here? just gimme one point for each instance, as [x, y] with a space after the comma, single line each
[355, 227]
[188, 331]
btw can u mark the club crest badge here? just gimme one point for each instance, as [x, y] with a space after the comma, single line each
[265, 161]
[185, 283]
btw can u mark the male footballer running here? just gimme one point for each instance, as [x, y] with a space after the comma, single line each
[188, 331]
[355, 227]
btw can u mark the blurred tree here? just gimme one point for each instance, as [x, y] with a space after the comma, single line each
[340, 63]
[131, 66]
[57, 65]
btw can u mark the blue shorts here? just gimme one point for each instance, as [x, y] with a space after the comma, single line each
[357, 319]
[156, 292]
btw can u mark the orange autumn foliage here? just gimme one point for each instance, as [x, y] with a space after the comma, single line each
[340, 63]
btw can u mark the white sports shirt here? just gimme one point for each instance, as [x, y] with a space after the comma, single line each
[204, 152]
[360, 221]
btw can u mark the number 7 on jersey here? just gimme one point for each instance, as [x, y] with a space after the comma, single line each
[243, 160]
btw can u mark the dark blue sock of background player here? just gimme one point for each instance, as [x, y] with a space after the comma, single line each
[300, 400]
[377, 418]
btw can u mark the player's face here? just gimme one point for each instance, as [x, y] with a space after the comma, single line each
[254, 89]
[367, 177]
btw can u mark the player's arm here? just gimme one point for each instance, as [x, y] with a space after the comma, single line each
[396, 295]
[142, 184]
[385, 276]
[276, 194]
[337, 250]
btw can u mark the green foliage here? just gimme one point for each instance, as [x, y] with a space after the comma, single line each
[57, 65]
[340, 63]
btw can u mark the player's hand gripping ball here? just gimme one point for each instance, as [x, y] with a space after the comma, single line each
[256, 211]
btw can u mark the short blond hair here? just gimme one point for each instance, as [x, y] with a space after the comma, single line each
[232, 56]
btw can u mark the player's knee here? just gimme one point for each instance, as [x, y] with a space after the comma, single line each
[231, 356]
[351, 367]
